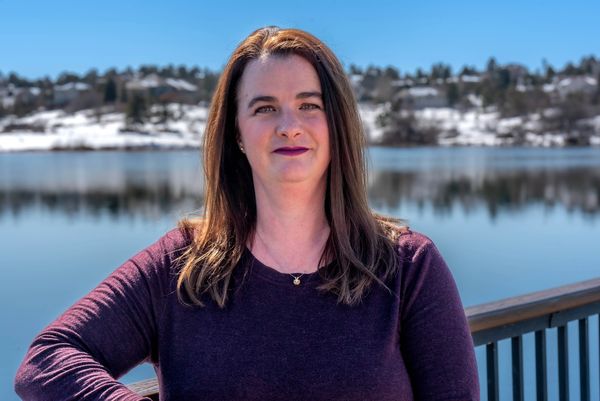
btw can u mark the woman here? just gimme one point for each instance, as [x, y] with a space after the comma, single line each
[289, 288]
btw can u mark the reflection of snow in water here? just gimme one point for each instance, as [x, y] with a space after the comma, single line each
[122, 183]
[497, 179]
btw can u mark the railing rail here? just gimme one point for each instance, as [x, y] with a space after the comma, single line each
[511, 318]
[535, 313]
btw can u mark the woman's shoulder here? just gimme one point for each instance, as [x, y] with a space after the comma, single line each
[410, 241]
[399, 232]
[175, 240]
[163, 254]
[178, 239]
[409, 244]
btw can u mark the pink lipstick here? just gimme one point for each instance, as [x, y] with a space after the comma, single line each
[291, 150]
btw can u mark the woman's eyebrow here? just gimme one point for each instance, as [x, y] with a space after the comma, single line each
[266, 98]
[261, 98]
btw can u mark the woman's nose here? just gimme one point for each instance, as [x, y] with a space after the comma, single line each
[289, 124]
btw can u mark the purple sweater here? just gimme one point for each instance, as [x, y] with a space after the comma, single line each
[274, 341]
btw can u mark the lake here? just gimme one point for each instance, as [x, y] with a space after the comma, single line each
[507, 220]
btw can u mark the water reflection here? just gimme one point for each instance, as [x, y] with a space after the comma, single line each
[115, 184]
[576, 190]
[138, 200]
[150, 184]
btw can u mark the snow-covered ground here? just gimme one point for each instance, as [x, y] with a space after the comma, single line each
[89, 129]
[86, 129]
[479, 127]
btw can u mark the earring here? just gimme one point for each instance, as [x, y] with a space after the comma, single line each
[241, 147]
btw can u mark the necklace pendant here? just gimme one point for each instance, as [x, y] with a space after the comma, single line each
[296, 281]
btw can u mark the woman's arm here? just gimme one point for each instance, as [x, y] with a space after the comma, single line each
[434, 335]
[100, 338]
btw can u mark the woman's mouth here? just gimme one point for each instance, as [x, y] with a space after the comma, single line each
[290, 150]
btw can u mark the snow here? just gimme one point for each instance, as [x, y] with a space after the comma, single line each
[151, 81]
[578, 80]
[180, 84]
[485, 127]
[475, 100]
[423, 91]
[89, 129]
[78, 86]
[470, 78]
[548, 88]
[154, 81]
[356, 79]
[368, 115]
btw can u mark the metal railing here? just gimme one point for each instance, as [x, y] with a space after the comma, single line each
[536, 313]
[512, 318]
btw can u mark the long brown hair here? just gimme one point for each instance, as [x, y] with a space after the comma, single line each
[360, 242]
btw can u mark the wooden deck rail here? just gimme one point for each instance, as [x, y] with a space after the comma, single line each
[511, 318]
[543, 309]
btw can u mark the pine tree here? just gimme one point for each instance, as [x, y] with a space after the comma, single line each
[596, 95]
[492, 65]
[110, 91]
[452, 94]
[136, 109]
[91, 77]
[123, 98]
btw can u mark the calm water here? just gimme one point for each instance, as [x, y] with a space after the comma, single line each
[508, 221]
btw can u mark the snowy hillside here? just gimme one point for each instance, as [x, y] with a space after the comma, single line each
[92, 130]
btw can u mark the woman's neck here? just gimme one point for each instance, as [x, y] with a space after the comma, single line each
[291, 228]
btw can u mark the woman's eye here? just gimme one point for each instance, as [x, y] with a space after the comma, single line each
[310, 106]
[264, 109]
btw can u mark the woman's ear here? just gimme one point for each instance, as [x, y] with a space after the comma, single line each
[238, 138]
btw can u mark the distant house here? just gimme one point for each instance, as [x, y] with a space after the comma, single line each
[169, 89]
[421, 97]
[470, 78]
[549, 88]
[518, 72]
[11, 94]
[576, 84]
[65, 94]
[28, 95]
[403, 83]
[6, 98]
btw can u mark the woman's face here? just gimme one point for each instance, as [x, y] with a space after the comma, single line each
[282, 122]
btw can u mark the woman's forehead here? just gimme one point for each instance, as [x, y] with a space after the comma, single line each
[278, 74]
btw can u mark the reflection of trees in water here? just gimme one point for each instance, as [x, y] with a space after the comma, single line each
[153, 196]
[148, 201]
[577, 190]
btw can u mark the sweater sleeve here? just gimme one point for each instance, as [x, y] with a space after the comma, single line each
[434, 334]
[99, 338]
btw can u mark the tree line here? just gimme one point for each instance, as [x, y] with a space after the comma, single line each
[561, 97]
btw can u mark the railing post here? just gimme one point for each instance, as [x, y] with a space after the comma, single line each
[493, 386]
[517, 368]
[541, 377]
[584, 366]
[563, 364]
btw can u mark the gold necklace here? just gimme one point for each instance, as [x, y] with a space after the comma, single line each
[296, 280]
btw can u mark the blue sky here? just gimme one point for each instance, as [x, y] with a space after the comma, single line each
[40, 38]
